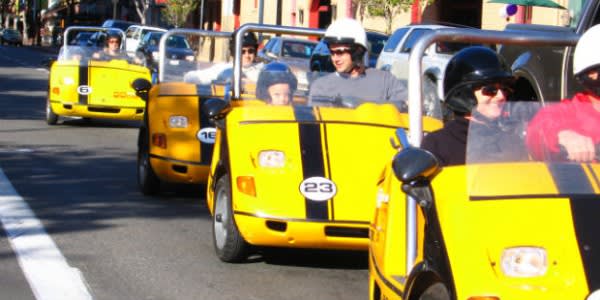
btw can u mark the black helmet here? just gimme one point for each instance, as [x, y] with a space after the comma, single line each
[273, 73]
[111, 34]
[249, 40]
[468, 69]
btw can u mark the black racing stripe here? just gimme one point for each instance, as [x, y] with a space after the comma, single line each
[570, 179]
[585, 210]
[328, 165]
[83, 80]
[312, 157]
[206, 149]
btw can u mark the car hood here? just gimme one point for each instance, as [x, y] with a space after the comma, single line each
[536, 209]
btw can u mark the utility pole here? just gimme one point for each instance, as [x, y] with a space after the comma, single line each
[115, 8]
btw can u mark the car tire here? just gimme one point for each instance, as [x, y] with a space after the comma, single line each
[229, 245]
[148, 182]
[436, 291]
[51, 117]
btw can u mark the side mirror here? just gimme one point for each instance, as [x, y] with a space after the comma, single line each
[142, 87]
[413, 164]
[215, 108]
[416, 168]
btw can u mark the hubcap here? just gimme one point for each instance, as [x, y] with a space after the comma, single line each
[142, 167]
[220, 227]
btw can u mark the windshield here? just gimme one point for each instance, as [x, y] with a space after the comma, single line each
[518, 151]
[196, 58]
[83, 54]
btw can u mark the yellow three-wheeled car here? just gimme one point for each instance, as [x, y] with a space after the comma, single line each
[495, 228]
[85, 84]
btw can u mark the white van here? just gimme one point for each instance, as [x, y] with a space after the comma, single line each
[134, 34]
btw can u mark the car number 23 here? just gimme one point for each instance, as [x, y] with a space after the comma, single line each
[318, 188]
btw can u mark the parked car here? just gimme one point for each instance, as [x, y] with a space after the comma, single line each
[394, 57]
[294, 52]
[545, 74]
[135, 33]
[320, 60]
[123, 25]
[11, 37]
[81, 39]
[178, 48]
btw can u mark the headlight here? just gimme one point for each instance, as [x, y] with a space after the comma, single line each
[271, 159]
[178, 122]
[189, 57]
[155, 55]
[68, 81]
[524, 262]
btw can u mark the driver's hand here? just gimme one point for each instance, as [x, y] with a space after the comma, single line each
[579, 148]
[96, 55]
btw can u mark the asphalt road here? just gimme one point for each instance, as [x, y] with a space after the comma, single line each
[79, 180]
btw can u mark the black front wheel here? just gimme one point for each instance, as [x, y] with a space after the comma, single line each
[436, 291]
[51, 117]
[148, 182]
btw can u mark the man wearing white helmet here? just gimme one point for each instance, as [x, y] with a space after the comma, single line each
[573, 124]
[347, 42]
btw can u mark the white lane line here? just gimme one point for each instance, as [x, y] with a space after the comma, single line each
[44, 266]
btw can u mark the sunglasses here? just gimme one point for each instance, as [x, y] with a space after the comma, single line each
[339, 51]
[113, 41]
[248, 51]
[491, 90]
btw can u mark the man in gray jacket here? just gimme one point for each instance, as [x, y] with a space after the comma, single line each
[347, 42]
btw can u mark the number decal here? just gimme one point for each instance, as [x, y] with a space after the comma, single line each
[318, 188]
[84, 90]
[207, 135]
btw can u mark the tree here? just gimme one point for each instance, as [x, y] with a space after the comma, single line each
[141, 7]
[176, 11]
[386, 8]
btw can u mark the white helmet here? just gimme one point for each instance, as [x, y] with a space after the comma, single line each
[346, 31]
[586, 52]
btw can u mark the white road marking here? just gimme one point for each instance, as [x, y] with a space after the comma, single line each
[44, 266]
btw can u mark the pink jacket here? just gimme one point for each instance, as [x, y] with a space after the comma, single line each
[577, 114]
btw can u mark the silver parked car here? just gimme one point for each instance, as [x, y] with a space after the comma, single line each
[394, 57]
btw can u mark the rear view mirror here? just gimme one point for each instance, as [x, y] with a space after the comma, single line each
[416, 168]
[141, 87]
[215, 109]
[414, 164]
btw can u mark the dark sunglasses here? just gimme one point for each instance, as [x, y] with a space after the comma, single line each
[491, 90]
[339, 51]
[249, 51]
